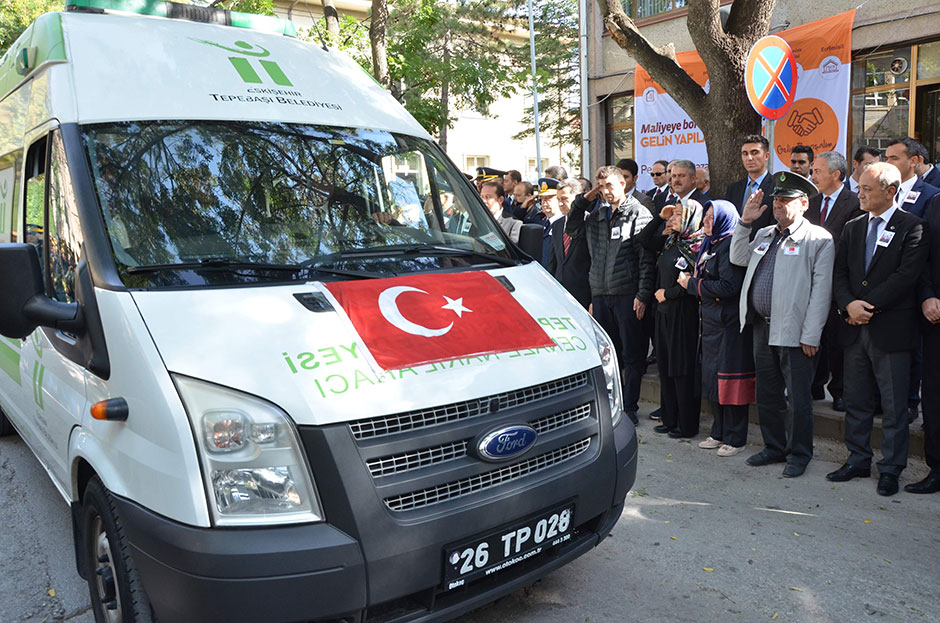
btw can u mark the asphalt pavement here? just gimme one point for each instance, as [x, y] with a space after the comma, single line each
[702, 538]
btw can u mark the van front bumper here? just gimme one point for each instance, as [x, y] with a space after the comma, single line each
[370, 564]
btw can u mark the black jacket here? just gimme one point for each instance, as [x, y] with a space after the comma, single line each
[571, 271]
[889, 284]
[930, 278]
[618, 265]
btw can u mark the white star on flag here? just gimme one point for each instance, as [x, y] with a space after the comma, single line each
[456, 306]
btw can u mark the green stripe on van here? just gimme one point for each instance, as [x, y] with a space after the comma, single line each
[10, 361]
[45, 34]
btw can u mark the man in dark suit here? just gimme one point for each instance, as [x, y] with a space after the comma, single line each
[682, 182]
[658, 173]
[929, 292]
[929, 173]
[548, 204]
[880, 261]
[929, 295]
[914, 194]
[864, 156]
[755, 156]
[570, 261]
[668, 197]
[832, 208]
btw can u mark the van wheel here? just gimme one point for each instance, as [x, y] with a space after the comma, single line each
[5, 427]
[117, 595]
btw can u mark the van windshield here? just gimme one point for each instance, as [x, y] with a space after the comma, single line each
[200, 203]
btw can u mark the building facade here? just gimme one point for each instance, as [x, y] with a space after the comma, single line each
[895, 69]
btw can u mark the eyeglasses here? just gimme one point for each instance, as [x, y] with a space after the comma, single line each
[654, 174]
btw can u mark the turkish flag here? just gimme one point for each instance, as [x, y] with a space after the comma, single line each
[407, 321]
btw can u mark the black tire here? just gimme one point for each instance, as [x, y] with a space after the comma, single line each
[6, 428]
[117, 595]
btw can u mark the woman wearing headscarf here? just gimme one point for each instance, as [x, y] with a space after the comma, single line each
[676, 333]
[727, 359]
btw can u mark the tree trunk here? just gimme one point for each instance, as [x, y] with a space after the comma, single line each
[331, 17]
[724, 114]
[377, 37]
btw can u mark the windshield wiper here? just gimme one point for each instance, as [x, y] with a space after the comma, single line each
[417, 249]
[212, 263]
[219, 263]
[431, 249]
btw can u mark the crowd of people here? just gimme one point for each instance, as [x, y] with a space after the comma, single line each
[819, 277]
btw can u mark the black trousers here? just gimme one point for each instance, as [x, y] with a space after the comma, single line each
[829, 365]
[729, 424]
[784, 397]
[931, 398]
[682, 405]
[867, 367]
[615, 314]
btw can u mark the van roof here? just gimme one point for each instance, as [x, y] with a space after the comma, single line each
[105, 67]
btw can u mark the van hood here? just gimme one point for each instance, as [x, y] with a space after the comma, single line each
[314, 365]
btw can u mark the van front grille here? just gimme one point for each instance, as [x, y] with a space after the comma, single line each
[423, 418]
[467, 486]
[424, 457]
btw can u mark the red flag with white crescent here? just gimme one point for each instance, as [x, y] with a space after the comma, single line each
[408, 321]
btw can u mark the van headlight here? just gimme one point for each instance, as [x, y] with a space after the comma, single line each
[611, 368]
[254, 469]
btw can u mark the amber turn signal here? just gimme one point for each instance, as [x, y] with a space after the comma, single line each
[114, 409]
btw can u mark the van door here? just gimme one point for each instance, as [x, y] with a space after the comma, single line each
[52, 386]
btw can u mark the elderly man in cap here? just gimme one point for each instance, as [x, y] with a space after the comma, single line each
[786, 296]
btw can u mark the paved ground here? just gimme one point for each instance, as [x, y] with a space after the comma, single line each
[702, 538]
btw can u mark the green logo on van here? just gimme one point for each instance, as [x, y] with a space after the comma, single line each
[244, 66]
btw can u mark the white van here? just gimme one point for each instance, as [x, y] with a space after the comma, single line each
[269, 344]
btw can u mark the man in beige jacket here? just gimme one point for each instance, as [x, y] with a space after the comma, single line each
[786, 297]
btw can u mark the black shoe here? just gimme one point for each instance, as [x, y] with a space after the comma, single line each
[912, 414]
[657, 414]
[662, 428]
[887, 484]
[764, 457]
[818, 393]
[847, 472]
[838, 404]
[930, 484]
[633, 418]
[793, 470]
[677, 434]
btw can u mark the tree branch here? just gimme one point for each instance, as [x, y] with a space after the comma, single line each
[750, 18]
[659, 62]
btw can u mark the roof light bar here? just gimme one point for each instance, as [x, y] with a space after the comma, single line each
[192, 13]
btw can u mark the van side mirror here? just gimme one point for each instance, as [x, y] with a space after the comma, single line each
[23, 301]
[530, 240]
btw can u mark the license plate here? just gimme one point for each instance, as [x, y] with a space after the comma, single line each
[506, 547]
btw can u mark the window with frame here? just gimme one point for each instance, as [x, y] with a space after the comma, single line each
[619, 113]
[641, 9]
[473, 162]
[897, 93]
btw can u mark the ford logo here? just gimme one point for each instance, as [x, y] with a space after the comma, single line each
[506, 442]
